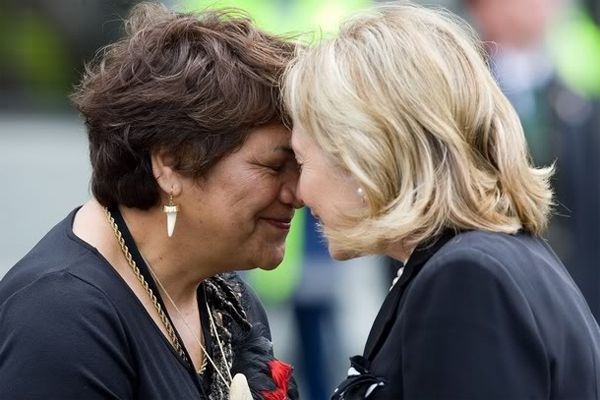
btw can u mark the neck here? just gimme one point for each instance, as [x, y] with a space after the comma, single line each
[399, 252]
[176, 265]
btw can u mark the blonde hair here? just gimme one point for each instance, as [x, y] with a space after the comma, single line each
[404, 101]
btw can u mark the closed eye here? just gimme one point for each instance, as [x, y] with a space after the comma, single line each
[274, 167]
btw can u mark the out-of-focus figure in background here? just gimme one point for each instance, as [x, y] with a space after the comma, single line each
[560, 124]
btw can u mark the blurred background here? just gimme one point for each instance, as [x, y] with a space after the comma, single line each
[544, 53]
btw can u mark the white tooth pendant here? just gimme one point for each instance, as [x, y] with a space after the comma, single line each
[239, 389]
[171, 210]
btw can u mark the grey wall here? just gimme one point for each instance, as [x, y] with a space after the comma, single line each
[44, 174]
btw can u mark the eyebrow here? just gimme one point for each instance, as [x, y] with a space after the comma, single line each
[285, 149]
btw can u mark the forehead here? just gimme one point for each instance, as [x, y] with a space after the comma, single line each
[298, 140]
[273, 137]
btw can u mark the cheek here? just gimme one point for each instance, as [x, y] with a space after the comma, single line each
[258, 200]
[266, 190]
[254, 192]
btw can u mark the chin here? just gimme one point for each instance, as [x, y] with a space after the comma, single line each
[341, 254]
[269, 267]
[272, 261]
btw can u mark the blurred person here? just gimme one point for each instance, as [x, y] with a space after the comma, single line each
[408, 148]
[560, 125]
[132, 296]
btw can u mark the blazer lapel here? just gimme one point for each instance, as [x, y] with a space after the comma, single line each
[387, 314]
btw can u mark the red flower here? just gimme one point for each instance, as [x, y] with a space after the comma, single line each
[281, 374]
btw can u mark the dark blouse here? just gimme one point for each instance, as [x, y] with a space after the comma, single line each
[71, 328]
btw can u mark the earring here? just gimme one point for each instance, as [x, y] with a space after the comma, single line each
[171, 210]
[361, 194]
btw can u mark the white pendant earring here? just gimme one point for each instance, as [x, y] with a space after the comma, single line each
[171, 210]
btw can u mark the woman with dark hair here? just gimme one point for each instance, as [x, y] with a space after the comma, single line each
[133, 295]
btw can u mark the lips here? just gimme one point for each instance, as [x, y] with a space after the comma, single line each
[280, 223]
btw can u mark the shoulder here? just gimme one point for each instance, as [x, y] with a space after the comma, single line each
[497, 256]
[480, 273]
[70, 284]
[479, 277]
[73, 330]
[60, 318]
[60, 255]
[57, 300]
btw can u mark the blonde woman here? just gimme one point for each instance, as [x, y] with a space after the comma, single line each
[409, 149]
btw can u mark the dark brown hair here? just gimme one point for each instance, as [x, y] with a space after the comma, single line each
[191, 85]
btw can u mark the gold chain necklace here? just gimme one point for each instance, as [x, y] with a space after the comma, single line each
[157, 306]
[238, 385]
[212, 325]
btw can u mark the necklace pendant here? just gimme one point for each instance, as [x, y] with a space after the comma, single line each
[239, 389]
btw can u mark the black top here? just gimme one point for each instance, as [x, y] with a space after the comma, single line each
[71, 328]
[481, 316]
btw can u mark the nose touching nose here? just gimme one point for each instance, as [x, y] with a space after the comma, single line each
[289, 194]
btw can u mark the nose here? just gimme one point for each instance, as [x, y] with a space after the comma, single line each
[289, 192]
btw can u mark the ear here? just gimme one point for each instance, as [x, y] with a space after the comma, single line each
[168, 179]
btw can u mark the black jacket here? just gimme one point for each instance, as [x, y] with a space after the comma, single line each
[481, 316]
